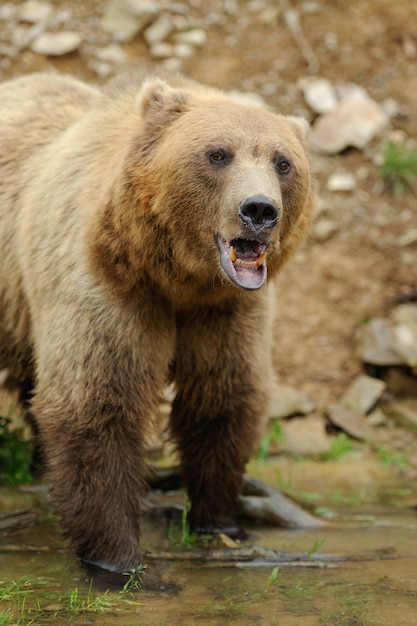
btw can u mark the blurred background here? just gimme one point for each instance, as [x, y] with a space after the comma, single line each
[351, 70]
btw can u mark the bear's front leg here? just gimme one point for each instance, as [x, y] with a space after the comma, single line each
[96, 474]
[98, 384]
[222, 373]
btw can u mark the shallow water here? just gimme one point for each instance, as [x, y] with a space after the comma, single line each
[378, 586]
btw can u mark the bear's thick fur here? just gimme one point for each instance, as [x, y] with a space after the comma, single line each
[137, 228]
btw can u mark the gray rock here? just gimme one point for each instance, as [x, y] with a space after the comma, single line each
[286, 401]
[124, 19]
[390, 342]
[405, 332]
[348, 420]
[353, 123]
[306, 435]
[375, 343]
[362, 394]
[56, 44]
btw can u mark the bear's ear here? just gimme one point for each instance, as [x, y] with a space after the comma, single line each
[159, 102]
[300, 126]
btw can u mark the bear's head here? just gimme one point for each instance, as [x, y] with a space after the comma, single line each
[225, 188]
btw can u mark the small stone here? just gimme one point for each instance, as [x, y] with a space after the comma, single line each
[405, 331]
[270, 15]
[349, 420]
[161, 50]
[172, 65]
[319, 94]
[7, 52]
[390, 342]
[159, 30]
[362, 394]
[35, 11]
[376, 343]
[101, 68]
[409, 48]
[53, 608]
[408, 238]
[342, 181]
[126, 18]
[376, 418]
[196, 37]
[323, 229]
[310, 7]
[112, 53]
[4, 375]
[7, 11]
[183, 50]
[393, 108]
[23, 35]
[404, 412]
[353, 123]
[56, 44]
[222, 541]
[60, 17]
[306, 435]
[286, 401]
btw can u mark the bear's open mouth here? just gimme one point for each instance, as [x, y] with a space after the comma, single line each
[244, 261]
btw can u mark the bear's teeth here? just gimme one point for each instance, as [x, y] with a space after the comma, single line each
[257, 263]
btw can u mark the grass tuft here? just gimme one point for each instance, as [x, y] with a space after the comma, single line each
[398, 170]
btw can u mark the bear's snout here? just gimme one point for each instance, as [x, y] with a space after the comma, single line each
[258, 212]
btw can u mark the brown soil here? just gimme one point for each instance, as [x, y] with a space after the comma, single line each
[337, 281]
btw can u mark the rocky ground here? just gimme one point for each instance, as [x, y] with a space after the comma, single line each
[360, 261]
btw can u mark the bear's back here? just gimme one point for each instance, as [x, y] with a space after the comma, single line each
[34, 110]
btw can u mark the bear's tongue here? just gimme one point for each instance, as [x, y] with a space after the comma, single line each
[244, 262]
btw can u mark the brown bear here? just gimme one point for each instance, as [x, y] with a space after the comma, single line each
[138, 227]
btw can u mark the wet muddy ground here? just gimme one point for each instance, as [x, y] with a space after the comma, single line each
[361, 568]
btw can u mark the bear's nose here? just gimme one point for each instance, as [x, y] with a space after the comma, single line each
[259, 212]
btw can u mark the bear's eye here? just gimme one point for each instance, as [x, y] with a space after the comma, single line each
[219, 157]
[283, 165]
